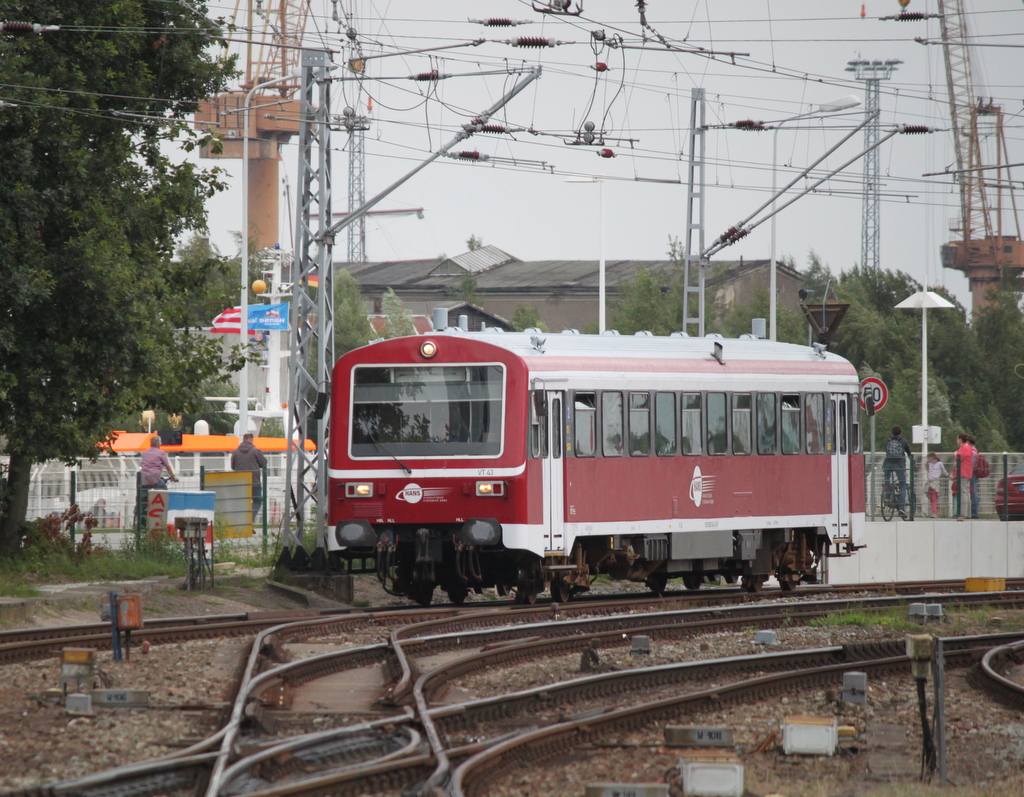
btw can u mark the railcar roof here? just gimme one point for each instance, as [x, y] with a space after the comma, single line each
[531, 345]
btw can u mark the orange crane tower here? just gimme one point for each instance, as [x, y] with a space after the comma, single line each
[981, 250]
[273, 30]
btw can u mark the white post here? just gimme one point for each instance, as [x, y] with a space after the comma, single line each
[243, 329]
[600, 277]
[772, 310]
[924, 385]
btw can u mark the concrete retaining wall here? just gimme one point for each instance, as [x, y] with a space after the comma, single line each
[926, 550]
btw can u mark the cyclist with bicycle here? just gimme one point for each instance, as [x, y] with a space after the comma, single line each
[897, 449]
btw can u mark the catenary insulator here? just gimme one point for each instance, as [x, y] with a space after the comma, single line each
[600, 66]
[532, 41]
[916, 129]
[499, 22]
[909, 16]
[492, 129]
[748, 124]
[471, 155]
[426, 76]
[606, 153]
[26, 27]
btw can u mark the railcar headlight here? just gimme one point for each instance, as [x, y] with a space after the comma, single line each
[428, 348]
[359, 490]
[488, 489]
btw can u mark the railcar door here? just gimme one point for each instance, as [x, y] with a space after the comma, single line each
[840, 526]
[554, 473]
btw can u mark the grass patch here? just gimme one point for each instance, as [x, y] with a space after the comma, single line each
[51, 558]
[894, 618]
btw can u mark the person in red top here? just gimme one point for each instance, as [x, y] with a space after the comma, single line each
[964, 467]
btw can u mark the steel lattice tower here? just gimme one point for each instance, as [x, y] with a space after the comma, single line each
[693, 247]
[312, 314]
[872, 73]
[357, 127]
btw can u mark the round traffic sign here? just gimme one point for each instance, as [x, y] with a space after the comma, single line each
[874, 387]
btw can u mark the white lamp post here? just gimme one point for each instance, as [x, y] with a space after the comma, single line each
[923, 300]
[600, 234]
[243, 330]
[841, 104]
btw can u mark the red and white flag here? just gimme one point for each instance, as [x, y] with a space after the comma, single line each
[228, 322]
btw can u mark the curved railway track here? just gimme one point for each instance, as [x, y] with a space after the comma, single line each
[425, 745]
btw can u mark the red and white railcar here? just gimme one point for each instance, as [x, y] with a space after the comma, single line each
[531, 461]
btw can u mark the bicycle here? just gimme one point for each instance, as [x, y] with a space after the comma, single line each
[890, 498]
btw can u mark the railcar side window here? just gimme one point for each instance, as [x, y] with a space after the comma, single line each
[742, 427]
[717, 424]
[842, 426]
[665, 424]
[692, 441]
[790, 423]
[427, 411]
[611, 423]
[556, 428]
[586, 424]
[639, 424]
[814, 422]
[767, 426]
[855, 438]
[538, 434]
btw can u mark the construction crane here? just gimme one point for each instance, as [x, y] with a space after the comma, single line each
[273, 31]
[981, 250]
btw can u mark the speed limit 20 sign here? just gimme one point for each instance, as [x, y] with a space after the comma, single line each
[873, 388]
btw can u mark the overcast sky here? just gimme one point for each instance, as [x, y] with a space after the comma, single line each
[790, 56]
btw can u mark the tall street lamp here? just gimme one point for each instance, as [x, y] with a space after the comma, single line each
[243, 330]
[600, 234]
[923, 300]
[841, 104]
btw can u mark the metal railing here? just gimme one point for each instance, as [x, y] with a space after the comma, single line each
[950, 500]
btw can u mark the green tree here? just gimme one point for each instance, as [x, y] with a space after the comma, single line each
[96, 313]
[644, 305]
[468, 288]
[399, 321]
[526, 316]
[473, 243]
[351, 325]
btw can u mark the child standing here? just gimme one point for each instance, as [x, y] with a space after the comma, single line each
[936, 470]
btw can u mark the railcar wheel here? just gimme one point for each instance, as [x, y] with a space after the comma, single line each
[656, 583]
[788, 581]
[752, 583]
[525, 597]
[457, 593]
[692, 581]
[561, 591]
[422, 593]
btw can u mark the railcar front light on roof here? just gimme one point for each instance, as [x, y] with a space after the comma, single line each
[359, 489]
[428, 348]
[496, 489]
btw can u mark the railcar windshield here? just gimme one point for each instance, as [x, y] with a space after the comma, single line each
[427, 411]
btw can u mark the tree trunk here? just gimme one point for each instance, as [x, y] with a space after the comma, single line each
[14, 503]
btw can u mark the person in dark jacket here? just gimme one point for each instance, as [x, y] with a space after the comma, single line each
[897, 449]
[249, 458]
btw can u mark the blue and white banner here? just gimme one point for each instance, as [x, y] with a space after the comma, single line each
[268, 316]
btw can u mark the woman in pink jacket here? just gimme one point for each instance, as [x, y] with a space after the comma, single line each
[963, 468]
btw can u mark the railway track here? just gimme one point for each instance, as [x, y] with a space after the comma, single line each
[421, 743]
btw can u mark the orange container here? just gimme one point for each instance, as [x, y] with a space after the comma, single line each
[129, 612]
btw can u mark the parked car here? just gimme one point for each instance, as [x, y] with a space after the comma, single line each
[1013, 509]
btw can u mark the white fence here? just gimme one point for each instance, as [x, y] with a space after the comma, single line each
[106, 489]
[947, 501]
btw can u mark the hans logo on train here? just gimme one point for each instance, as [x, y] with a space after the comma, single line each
[412, 494]
[696, 487]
